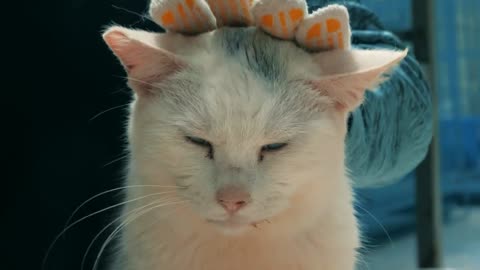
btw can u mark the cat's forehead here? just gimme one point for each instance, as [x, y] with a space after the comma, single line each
[243, 82]
[254, 50]
[247, 63]
[234, 102]
[251, 48]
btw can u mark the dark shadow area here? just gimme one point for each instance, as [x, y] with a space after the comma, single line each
[69, 127]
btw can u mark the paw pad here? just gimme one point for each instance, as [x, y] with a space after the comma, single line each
[326, 29]
[183, 16]
[279, 18]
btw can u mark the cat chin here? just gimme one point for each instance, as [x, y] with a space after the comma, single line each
[233, 228]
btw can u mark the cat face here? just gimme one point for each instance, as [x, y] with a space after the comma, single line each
[241, 122]
[234, 132]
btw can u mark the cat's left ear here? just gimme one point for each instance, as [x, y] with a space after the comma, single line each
[345, 75]
[144, 61]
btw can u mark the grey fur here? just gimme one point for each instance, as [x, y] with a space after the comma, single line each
[242, 54]
[255, 49]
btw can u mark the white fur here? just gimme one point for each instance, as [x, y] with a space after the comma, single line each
[302, 190]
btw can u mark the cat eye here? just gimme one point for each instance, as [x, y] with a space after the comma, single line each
[203, 143]
[273, 147]
[270, 148]
[198, 141]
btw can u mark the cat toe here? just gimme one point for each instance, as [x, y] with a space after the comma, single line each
[280, 18]
[326, 29]
[183, 16]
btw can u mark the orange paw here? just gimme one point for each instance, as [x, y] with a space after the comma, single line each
[183, 16]
[280, 18]
[326, 29]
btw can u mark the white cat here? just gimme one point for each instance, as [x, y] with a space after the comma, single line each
[241, 138]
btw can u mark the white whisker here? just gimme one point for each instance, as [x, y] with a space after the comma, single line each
[115, 160]
[144, 82]
[364, 262]
[165, 215]
[113, 222]
[110, 191]
[378, 222]
[91, 215]
[126, 223]
[142, 17]
[108, 110]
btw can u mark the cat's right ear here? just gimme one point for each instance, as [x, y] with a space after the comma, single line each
[347, 74]
[145, 63]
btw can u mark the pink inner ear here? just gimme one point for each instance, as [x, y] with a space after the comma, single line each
[346, 75]
[144, 63]
[348, 91]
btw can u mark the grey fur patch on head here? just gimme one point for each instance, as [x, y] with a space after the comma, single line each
[242, 78]
[256, 50]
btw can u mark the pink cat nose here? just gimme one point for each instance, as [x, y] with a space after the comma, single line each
[233, 198]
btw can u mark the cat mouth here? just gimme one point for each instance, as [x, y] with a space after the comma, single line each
[233, 223]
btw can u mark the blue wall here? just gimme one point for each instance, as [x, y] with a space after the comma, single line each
[457, 50]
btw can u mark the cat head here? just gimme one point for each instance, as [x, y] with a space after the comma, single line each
[249, 127]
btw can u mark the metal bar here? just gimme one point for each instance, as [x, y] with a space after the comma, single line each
[428, 196]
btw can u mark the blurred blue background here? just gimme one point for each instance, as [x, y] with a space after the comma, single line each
[457, 71]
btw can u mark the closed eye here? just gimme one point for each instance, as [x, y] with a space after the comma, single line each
[273, 147]
[198, 141]
[202, 143]
[270, 148]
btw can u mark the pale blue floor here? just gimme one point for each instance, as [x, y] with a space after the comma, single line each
[461, 246]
